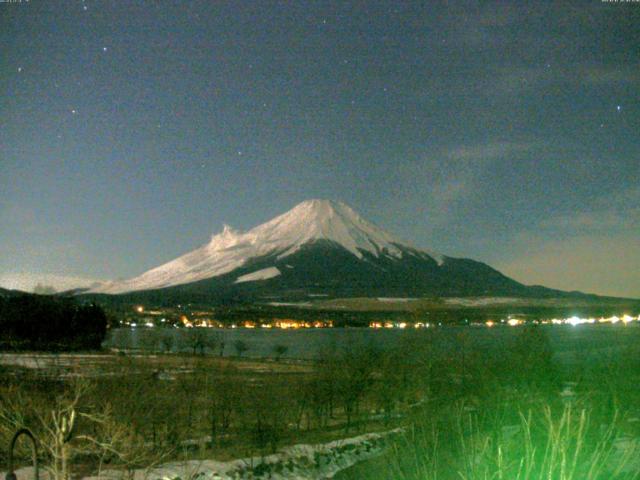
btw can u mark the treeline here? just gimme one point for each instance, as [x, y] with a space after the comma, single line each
[43, 322]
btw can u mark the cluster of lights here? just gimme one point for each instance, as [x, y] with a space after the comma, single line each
[402, 325]
[286, 324]
[294, 324]
[579, 321]
[574, 320]
[202, 319]
[283, 324]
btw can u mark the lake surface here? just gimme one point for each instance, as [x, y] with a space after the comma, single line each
[569, 343]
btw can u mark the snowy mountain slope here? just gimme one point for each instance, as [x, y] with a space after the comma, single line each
[309, 222]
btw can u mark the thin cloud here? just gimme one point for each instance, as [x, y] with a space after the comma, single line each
[514, 81]
[449, 178]
[490, 151]
[613, 211]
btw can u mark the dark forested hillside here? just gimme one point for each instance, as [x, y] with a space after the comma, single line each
[42, 322]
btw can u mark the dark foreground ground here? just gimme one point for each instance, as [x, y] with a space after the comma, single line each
[508, 402]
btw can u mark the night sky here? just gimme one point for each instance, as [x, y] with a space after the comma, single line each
[504, 132]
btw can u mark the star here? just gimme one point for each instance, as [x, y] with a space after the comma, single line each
[104, 49]
[239, 152]
[618, 107]
[74, 111]
[84, 8]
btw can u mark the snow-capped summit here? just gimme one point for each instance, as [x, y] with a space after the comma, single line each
[306, 223]
[326, 220]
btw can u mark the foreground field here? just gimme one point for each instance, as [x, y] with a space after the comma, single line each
[525, 403]
[136, 411]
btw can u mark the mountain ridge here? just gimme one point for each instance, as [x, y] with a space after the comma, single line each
[319, 247]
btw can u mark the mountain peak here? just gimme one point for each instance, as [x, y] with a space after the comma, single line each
[321, 209]
[316, 203]
[318, 219]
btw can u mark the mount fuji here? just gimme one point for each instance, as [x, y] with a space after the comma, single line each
[322, 248]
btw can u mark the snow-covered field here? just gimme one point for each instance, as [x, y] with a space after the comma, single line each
[396, 299]
[480, 301]
[290, 304]
[50, 360]
[302, 462]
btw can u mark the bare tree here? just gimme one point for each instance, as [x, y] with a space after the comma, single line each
[199, 340]
[279, 351]
[268, 417]
[224, 400]
[72, 429]
[322, 386]
[148, 339]
[354, 378]
[240, 346]
[167, 340]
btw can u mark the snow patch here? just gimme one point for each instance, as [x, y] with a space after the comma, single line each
[479, 301]
[263, 274]
[290, 304]
[396, 300]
